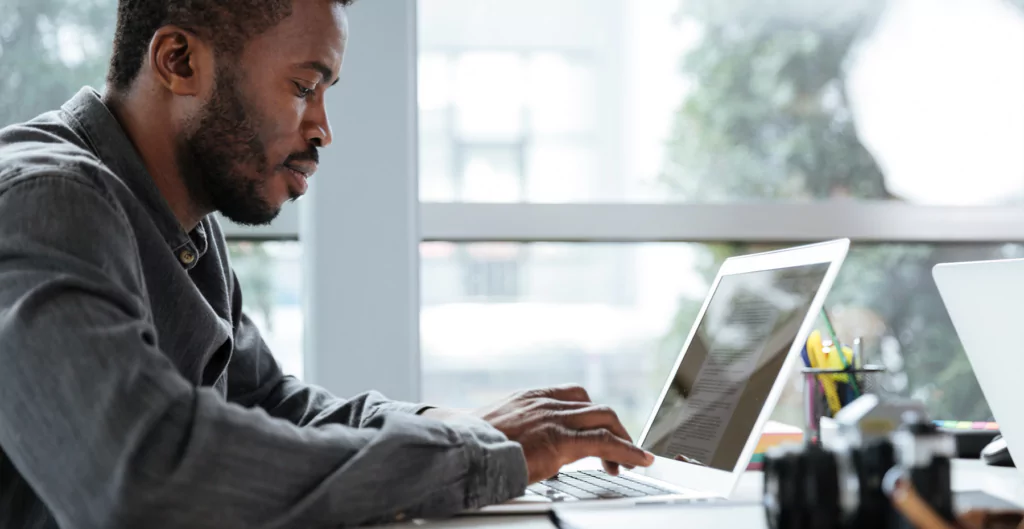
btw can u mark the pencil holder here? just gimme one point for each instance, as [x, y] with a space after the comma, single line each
[817, 399]
[834, 376]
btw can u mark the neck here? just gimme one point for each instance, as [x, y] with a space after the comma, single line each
[158, 152]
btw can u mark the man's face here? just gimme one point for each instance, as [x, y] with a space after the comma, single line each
[255, 143]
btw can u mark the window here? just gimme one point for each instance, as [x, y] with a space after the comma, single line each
[500, 126]
[271, 279]
[48, 51]
[646, 126]
[491, 271]
[705, 101]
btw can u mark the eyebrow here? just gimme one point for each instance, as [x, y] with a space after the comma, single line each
[320, 68]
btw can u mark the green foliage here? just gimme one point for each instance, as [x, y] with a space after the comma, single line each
[768, 118]
[48, 50]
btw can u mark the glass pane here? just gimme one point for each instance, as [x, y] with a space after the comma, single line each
[271, 279]
[491, 173]
[614, 317]
[560, 172]
[434, 81]
[560, 95]
[488, 96]
[712, 101]
[48, 51]
[435, 170]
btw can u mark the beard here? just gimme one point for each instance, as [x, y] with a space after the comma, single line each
[223, 162]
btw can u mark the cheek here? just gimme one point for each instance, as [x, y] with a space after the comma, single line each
[282, 129]
[284, 114]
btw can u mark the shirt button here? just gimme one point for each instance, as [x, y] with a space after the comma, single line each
[187, 257]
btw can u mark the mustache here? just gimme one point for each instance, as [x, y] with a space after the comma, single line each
[311, 155]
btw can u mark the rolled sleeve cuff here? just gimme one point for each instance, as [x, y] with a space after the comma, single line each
[496, 474]
[497, 466]
[411, 408]
[383, 407]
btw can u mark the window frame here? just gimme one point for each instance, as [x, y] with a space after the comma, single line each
[768, 222]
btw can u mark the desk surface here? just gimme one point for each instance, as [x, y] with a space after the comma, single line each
[968, 475]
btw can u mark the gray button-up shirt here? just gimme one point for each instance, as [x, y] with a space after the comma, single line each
[135, 393]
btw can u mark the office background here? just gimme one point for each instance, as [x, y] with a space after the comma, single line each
[532, 192]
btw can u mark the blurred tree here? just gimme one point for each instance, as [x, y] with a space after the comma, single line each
[49, 49]
[767, 118]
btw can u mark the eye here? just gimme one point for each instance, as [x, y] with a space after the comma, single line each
[303, 92]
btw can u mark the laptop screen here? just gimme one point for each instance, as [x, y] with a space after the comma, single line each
[731, 365]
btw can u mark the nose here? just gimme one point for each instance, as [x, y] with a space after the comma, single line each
[317, 128]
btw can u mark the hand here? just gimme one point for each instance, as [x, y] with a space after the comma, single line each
[558, 426]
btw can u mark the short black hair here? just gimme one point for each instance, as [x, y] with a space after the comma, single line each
[228, 24]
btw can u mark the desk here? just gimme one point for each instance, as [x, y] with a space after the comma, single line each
[968, 475]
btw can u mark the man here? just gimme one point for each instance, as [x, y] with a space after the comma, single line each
[133, 390]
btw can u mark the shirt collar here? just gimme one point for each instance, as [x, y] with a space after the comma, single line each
[87, 114]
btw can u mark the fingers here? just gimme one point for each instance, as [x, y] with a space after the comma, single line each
[604, 444]
[613, 468]
[545, 403]
[594, 417]
[572, 393]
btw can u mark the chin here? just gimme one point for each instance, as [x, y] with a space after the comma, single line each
[251, 221]
[251, 214]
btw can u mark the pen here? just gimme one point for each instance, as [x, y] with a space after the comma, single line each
[858, 355]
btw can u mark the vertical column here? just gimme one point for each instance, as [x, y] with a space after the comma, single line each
[359, 227]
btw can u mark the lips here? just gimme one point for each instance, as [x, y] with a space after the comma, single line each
[306, 169]
[298, 173]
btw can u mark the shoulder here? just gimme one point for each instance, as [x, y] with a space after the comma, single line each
[59, 218]
[46, 157]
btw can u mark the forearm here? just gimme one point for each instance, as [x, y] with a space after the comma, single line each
[309, 405]
[162, 453]
[266, 471]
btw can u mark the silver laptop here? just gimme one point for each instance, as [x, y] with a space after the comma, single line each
[985, 300]
[722, 389]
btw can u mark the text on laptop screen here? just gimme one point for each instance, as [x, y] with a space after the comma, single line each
[733, 361]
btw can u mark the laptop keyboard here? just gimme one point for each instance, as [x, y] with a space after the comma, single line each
[593, 485]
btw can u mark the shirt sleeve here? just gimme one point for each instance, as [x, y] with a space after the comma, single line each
[107, 433]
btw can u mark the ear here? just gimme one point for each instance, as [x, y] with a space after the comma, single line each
[182, 62]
